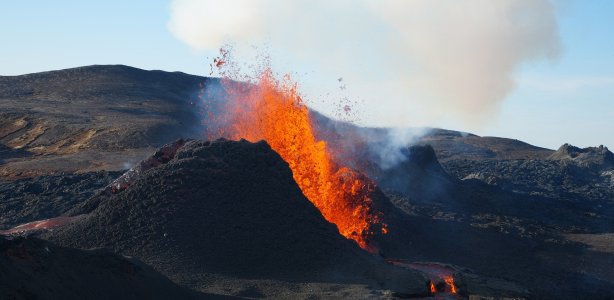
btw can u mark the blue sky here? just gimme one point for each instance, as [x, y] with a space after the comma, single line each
[570, 99]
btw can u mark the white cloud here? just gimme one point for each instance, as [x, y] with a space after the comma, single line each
[209, 24]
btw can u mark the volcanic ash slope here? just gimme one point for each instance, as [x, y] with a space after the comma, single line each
[36, 269]
[232, 209]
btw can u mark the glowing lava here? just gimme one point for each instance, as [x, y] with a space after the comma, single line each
[449, 280]
[441, 278]
[273, 111]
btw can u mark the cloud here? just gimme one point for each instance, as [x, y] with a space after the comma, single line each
[206, 25]
[412, 62]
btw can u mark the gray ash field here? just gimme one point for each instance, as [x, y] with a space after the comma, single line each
[225, 218]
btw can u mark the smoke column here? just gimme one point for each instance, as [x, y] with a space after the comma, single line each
[412, 62]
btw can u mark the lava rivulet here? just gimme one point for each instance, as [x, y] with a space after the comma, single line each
[273, 111]
[449, 280]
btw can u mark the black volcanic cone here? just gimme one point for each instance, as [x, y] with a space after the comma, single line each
[228, 208]
[419, 170]
[36, 269]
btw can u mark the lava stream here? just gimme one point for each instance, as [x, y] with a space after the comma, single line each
[273, 111]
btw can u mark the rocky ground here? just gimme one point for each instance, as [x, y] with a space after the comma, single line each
[538, 217]
[232, 209]
[47, 196]
[91, 118]
[504, 218]
[36, 269]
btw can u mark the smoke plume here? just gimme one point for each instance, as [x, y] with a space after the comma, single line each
[412, 62]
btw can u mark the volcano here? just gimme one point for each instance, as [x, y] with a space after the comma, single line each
[501, 217]
[231, 209]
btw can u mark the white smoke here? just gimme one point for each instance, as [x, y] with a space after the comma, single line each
[413, 62]
[389, 153]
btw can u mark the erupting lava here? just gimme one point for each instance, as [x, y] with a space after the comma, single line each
[273, 111]
[449, 280]
[432, 287]
[446, 286]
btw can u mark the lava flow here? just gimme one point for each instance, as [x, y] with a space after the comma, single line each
[449, 280]
[441, 278]
[273, 111]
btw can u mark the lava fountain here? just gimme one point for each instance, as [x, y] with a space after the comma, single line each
[272, 110]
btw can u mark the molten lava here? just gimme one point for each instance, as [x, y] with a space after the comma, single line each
[273, 111]
[441, 278]
[449, 280]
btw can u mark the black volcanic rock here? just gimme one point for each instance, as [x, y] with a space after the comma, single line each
[228, 208]
[7, 153]
[63, 120]
[36, 269]
[571, 173]
[452, 145]
[508, 219]
[30, 199]
[423, 157]
[599, 157]
[161, 156]
[97, 99]
[418, 175]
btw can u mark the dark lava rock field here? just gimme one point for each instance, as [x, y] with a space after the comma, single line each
[36, 269]
[125, 217]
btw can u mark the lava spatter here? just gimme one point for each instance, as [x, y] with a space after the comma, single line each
[272, 110]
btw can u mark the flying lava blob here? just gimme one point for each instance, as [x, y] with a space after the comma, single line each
[272, 110]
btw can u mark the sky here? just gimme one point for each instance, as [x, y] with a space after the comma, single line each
[547, 83]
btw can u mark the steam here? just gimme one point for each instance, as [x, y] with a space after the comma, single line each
[389, 153]
[413, 62]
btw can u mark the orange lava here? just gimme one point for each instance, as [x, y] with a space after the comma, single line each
[432, 286]
[273, 111]
[450, 283]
